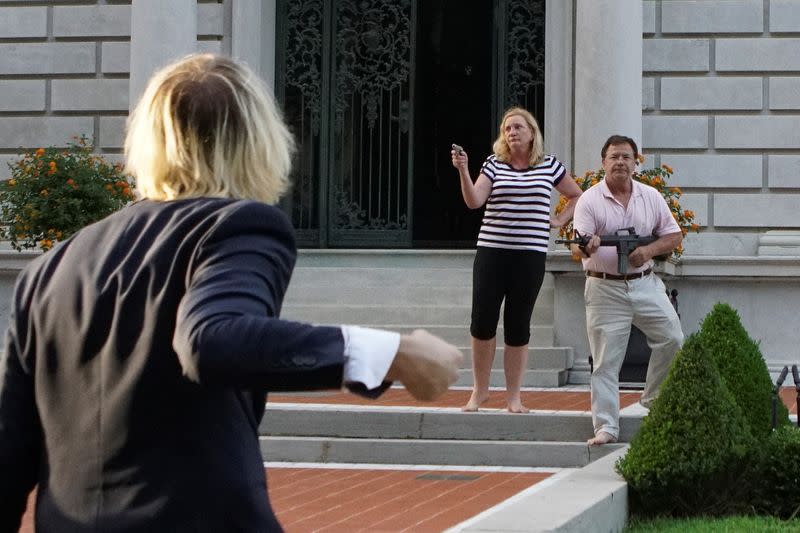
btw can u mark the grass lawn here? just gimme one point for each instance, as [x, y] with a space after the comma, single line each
[736, 524]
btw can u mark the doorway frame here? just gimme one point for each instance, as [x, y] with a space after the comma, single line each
[254, 42]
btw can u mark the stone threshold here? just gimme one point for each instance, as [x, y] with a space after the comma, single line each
[558, 262]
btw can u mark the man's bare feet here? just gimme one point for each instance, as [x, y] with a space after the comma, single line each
[475, 401]
[602, 438]
[517, 407]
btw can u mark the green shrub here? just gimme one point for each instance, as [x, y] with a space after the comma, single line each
[687, 457]
[775, 474]
[54, 192]
[742, 368]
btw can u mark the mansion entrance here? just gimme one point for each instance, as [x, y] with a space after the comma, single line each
[376, 91]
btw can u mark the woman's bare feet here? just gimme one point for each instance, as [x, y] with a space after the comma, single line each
[601, 438]
[517, 407]
[475, 401]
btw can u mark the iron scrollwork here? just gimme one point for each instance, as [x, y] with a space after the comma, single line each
[525, 57]
[373, 50]
[303, 44]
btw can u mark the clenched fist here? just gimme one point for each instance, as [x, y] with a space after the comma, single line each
[425, 364]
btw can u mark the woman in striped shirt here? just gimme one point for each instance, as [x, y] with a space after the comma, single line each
[515, 183]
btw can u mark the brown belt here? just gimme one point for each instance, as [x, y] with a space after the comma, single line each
[625, 277]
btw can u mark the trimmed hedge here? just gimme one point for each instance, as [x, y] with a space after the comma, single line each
[775, 474]
[688, 456]
[742, 367]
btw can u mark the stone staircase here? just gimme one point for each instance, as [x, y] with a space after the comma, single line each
[406, 289]
[402, 290]
[361, 434]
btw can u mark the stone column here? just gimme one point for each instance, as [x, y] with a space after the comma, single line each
[608, 76]
[161, 31]
[253, 39]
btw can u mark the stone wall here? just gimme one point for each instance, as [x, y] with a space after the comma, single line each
[721, 97]
[64, 69]
[721, 105]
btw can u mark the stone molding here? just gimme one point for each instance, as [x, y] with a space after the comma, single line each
[764, 266]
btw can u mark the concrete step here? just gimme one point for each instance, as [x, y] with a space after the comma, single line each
[541, 335]
[371, 422]
[388, 286]
[357, 276]
[539, 357]
[542, 377]
[394, 258]
[360, 276]
[433, 452]
[440, 315]
[370, 295]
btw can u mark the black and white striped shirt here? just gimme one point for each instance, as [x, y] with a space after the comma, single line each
[517, 212]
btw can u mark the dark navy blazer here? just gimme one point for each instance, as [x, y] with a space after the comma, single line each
[137, 361]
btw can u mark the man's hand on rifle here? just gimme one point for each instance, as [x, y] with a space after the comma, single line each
[583, 252]
[640, 256]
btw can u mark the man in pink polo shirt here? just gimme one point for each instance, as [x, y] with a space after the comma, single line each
[614, 301]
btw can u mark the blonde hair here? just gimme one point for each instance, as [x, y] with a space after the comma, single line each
[536, 150]
[208, 126]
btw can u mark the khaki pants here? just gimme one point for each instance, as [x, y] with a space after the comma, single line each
[611, 307]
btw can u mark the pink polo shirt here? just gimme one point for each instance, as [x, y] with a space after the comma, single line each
[599, 213]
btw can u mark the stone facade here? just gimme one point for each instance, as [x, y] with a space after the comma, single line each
[722, 106]
[720, 96]
[64, 71]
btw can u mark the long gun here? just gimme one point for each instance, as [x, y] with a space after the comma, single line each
[625, 243]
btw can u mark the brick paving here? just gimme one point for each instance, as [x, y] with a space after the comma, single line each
[389, 499]
[539, 400]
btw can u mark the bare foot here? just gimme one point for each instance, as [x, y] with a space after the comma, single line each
[517, 407]
[602, 438]
[475, 401]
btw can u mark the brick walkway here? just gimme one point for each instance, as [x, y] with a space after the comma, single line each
[539, 400]
[336, 499]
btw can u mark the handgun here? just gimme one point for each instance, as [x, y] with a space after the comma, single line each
[457, 149]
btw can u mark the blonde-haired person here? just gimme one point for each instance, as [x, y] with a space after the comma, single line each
[140, 351]
[515, 183]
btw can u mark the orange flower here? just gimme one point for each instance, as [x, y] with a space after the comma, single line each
[11, 182]
[40, 152]
[53, 169]
[667, 168]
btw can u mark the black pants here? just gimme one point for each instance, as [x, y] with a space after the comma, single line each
[515, 275]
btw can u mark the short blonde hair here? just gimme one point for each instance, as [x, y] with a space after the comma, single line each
[208, 126]
[536, 151]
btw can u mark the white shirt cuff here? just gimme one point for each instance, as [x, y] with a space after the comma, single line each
[368, 354]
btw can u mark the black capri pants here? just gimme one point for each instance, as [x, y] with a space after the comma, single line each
[515, 275]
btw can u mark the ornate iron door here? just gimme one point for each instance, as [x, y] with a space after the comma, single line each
[520, 53]
[345, 79]
[346, 76]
